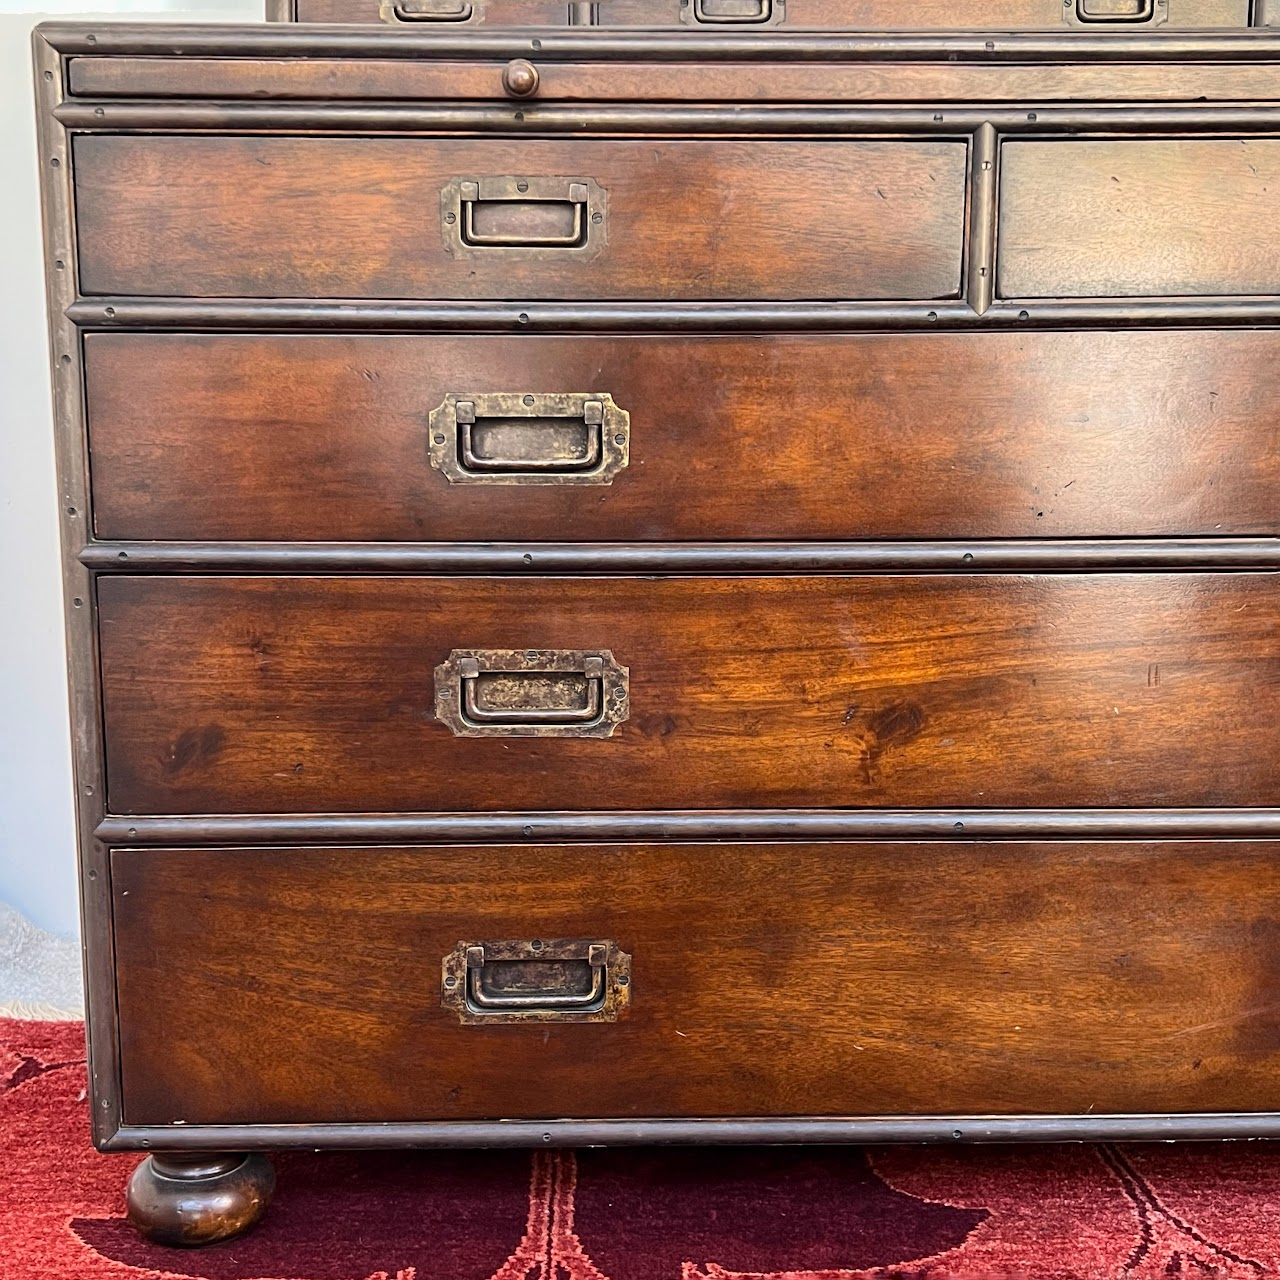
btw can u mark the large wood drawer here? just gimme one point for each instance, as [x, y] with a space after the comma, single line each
[279, 437]
[305, 985]
[305, 694]
[392, 218]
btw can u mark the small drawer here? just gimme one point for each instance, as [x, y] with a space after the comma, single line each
[435, 15]
[296, 695]
[442, 438]
[280, 986]
[1187, 217]
[801, 15]
[537, 219]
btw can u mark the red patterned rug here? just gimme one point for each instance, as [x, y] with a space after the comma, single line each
[904, 1213]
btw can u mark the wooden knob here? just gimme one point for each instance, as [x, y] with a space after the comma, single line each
[520, 78]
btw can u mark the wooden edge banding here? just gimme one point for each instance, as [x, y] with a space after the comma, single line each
[246, 315]
[790, 1130]
[523, 119]
[569, 43]
[534, 558]
[604, 827]
[61, 273]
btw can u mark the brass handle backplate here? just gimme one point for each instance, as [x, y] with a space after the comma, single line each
[519, 438]
[528, 693]
[523, 215]
[560, 980]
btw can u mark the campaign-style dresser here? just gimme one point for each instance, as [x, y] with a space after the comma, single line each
[686, 585]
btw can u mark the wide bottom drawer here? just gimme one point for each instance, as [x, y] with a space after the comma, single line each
[837, 979]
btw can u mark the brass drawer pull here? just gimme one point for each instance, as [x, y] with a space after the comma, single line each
[560, 215]
[426, 11]
[532, 693]
[1135, 12]
[526, 981]
[515, 438]
[733, 11]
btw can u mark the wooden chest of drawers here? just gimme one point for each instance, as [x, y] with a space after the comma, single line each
[671, 586]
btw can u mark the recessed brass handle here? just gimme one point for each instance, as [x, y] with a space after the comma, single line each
[534, 214]
[482, 992]
[534, 981]
[426, 11]
[728, 12]
[522, 438]
[531, 693]
[496, 698]
[556, 222]
[1132, 12]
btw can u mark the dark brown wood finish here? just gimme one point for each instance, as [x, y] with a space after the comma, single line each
[903, 979]
[1109, 678]
[849, 15]
[74, 506]
[1002, 435]
[295, 695]
[1140, 218]
[337, 217]
[353, 80]
[571, 44]
[500, 13]
[189, 1200]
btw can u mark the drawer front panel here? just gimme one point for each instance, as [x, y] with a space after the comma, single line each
[803, 15]
[1149, 218]
[1002, 435]
[317, 694]
[365, 79]
[842, 979]
[437, 15]
[444, 218]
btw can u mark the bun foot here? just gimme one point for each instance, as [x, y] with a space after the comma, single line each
[196, 1199]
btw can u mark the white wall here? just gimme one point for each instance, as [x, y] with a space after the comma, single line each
[37, 850]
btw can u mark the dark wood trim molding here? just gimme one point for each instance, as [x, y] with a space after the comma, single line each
[695, 825]
[61, 272]
[565, 44]
[158, 114]
[800, 1129]
[108, 313]
[985, 556]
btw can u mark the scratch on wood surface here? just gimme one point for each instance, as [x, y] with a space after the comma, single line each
[1242, 1016]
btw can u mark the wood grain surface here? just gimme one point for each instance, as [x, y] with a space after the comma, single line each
[1139, 217]
[352, 79]
[246, 695]
[279, 437]
[851, 15]
[361, 218]
[303, 985]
